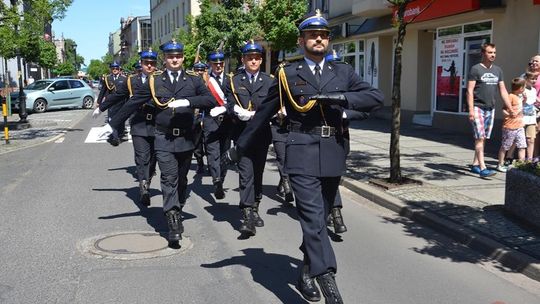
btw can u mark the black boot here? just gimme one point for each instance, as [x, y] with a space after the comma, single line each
[144, 197]
[339, 225]
[327, 283]
[289, 197]
[248, 225]
[256, 217]
[307, 286]
[218, 192]
[200, 165]
[174, 222]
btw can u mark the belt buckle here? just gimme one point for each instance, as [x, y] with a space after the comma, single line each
[148, 116]
[176, 131]
[325, 131]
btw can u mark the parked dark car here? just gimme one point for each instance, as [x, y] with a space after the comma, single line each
[48, 94]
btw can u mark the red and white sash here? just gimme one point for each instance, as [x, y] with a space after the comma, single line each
[216, 91]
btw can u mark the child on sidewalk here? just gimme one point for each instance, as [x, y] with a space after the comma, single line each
[513, 131]
[529, 111]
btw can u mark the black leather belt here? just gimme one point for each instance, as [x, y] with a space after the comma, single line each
[323, 131]
[174, 131]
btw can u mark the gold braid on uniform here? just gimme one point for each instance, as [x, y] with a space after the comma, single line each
[283, 82]
[153, 92]
[130, 90]
[250, 105]
[110, 88]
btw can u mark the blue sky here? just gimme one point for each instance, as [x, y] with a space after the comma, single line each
[89, 22]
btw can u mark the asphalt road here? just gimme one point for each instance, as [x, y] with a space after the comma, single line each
[59, 194]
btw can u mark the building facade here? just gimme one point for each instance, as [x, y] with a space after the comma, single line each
[440, 46]
[168, 16]
[135, 35]
[114, 44]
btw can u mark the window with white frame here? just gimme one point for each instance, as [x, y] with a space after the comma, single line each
[353, 53]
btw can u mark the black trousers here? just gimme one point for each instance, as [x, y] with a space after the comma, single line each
[250, 172]
[111, 112]
[217, 143]
[145, 156]
[279, 138]
[314, 198]
[198, 140]
[174, 167]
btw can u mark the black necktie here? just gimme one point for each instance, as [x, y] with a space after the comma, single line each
[318, 74]
[174, 75]
[252, 79]
[218, 79]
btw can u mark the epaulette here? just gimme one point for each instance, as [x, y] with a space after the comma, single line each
[272, 76]
[157, 73]
[340, 62]
[192, 73]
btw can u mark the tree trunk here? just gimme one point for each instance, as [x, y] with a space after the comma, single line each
[395, 166]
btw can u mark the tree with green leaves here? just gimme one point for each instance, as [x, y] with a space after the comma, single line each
[233, 22]
[65, 69]
[278, 19]
[21, 31]
[399, 22]
[97, 68]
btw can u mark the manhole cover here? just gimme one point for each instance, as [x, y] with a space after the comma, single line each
[132, 246]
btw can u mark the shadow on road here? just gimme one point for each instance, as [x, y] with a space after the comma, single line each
[274, 272]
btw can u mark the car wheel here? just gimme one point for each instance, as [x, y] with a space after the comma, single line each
[40, 106]
[88, 102]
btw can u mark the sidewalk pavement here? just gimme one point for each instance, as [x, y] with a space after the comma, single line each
[451, 199]
[40, 128]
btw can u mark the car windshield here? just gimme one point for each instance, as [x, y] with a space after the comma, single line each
[39, 85]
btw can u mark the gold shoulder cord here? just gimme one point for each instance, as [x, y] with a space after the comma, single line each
[283, 82]
[250, 105]
[109, 87]
[129, 86]
[153, 92]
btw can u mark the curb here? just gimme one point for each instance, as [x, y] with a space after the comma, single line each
[505, 255]
[47, 140]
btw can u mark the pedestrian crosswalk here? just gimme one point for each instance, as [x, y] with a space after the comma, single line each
[93, 138]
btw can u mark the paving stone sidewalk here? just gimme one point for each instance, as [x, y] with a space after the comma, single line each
[441, 159]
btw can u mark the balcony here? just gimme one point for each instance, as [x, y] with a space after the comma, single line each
[371, 8]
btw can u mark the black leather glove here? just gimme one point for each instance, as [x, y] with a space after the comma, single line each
[232, 156]
[331, 99]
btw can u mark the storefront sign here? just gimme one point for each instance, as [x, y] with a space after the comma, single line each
[417, 9]
[449, 73]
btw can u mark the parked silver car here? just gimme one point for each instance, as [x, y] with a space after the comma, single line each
[48, 94]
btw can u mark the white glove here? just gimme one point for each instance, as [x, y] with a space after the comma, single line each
[344, 115]
[179, 103]
[105, 131]
[243, 114]
[217, 111]
[284, 111]
[96, 113]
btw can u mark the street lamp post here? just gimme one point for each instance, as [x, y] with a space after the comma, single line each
[75, 62]
[22, 97]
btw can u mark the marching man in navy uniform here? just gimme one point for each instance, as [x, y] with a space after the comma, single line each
[175, 93]
[108, 86]
[245, 93]
[314, 93]
[217, 122]
[200, 147]
[142, 123]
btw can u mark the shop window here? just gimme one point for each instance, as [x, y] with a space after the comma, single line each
[352, 52]
[457, 49]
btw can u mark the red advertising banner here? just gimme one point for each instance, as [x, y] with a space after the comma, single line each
[536, 2]
[438, 9]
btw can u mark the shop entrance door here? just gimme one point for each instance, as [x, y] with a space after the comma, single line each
[473, 55]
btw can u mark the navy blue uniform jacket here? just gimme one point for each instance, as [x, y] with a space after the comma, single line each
[190, 87]
[311, 154]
